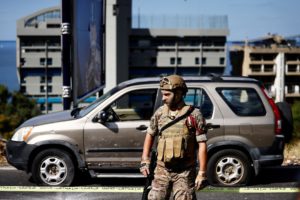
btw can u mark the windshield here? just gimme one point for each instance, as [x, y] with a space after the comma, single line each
[98, 101]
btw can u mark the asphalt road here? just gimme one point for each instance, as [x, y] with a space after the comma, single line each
[279, 183]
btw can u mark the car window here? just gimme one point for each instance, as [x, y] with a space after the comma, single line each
[135, 105]
[199, 98]
[98, 101]
[243, 101]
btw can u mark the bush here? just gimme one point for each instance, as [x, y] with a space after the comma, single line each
[15, 108]
[296, 117]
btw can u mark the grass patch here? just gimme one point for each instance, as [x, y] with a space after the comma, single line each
[292, 152]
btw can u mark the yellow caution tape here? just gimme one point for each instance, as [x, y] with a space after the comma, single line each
[140, 189]
[71, 189]
[253, 190]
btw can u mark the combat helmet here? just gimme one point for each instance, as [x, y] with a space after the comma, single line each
[173, 83]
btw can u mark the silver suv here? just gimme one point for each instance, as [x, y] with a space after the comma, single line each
[106, 137]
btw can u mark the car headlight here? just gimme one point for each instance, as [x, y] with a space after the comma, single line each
[22, 134]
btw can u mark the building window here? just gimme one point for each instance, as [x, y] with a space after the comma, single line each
[43, 89]
[22, 61]
[144, 43]
[23, 80]
[42, 61]
[172, 61]
[53, 25]
[179, 61]
[50, 106]
[222, 61]
[153, 61]
[23, 89]
[43, 106]
[43, 79]
[203, 61]
[197, 61]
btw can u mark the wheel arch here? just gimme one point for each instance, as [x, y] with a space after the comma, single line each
[231, 145]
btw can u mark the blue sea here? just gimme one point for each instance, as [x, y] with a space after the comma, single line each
[8, 68]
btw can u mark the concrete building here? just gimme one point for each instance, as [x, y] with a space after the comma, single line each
[155, 52]
[139, 46]
[184, 45]
[275, 61]
[39, 57]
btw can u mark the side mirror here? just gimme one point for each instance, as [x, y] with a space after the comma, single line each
[101, 117]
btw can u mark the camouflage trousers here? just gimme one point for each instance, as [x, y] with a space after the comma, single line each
[180, 185]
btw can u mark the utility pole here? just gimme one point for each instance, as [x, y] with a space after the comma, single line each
[200, 59]
[176, 57]
[46, 76]
[66, 52]
[279, 79]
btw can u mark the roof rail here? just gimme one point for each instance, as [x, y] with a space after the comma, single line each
[215, 77]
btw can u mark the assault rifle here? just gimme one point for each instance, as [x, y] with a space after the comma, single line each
[150, 176]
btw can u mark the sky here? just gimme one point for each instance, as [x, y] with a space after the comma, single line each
[247, 19]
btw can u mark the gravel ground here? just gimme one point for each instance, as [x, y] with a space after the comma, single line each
[2, 154]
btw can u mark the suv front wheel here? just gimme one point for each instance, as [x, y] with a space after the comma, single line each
[53, 167]
[229, 167]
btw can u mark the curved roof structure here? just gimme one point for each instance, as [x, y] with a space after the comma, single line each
[42, 16]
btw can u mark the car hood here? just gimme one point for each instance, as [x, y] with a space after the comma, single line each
[49, 118]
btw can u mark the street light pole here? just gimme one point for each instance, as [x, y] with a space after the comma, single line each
[46, 76]
[66, 52]
[200, 59]
[176, 57]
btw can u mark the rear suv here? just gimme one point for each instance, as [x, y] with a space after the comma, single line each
[106, 137]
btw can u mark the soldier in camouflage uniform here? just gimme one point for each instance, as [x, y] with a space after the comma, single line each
[178, 146]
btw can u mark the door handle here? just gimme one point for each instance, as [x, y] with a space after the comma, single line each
[142, 128]
[210, 126]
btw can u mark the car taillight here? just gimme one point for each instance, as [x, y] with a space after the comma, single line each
[275, 110]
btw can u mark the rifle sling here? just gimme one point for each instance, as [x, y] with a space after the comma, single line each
[190, 110]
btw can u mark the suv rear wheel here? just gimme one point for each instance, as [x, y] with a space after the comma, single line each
[229, 167]
[53, 167]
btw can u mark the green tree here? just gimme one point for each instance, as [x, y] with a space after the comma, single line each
[4, 96]
[15, 108]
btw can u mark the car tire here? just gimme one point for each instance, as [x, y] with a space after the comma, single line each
[53, 167]
[229, 167]
[287, 120]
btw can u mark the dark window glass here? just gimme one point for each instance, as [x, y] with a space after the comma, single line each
[199, 98]
[134, 105]
[172, 61]
[243, 101]
[222, 61]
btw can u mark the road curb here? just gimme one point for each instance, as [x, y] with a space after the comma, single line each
[7, 168]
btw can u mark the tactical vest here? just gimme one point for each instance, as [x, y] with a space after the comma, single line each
[176, 144]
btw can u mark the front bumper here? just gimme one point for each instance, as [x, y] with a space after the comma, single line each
[17, 154]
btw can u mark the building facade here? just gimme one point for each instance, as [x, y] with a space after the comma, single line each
[155, 52]
[273, 60]
[39, 57]
[131, 49]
